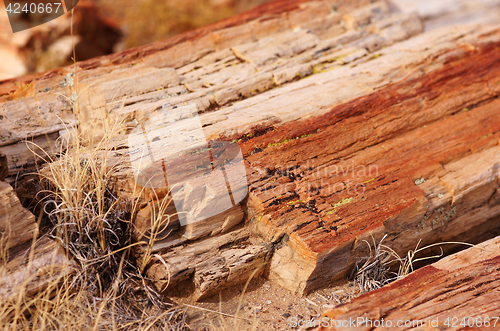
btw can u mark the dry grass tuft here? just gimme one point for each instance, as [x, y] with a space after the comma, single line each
[93, 225]
[373, 272]
[376, 270]
[107, 290]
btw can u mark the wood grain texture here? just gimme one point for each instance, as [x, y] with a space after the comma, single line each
[212, 264]
[353, 123]
[17, 224]
[398, 161]
[439, 296]
[20, 275]
[38, 109]
[23, 278]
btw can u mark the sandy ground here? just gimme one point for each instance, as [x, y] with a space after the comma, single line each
[264, 306]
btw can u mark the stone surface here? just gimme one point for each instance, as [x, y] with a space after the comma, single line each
[450, 12]
[212, 264]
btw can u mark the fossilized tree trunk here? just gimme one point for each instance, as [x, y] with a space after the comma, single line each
[353, 122]
[21, 273]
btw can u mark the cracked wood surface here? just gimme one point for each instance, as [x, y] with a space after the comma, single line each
[417, 159]
[17, 224]
[44, 106]
[353, 172]
[322, 103]
[22, 276]
[461, 286]
[211, 264]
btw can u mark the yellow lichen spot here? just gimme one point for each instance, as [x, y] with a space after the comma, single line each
[487, 135]
[342, 202]
[338, 204]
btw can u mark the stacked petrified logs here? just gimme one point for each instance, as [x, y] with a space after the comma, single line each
[355, 121]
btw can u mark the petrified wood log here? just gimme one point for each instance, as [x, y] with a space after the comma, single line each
[212, 264]
[38, 108]
[25, 276]
[24, 116]
[17, 224]
[450, 12]
[458, 292]
[26, 267]
[352, 123]
[416, 160]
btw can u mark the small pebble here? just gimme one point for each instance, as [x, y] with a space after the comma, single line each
[267, 302]
[419, 181]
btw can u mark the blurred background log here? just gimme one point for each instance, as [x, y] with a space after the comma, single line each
[50, 45]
